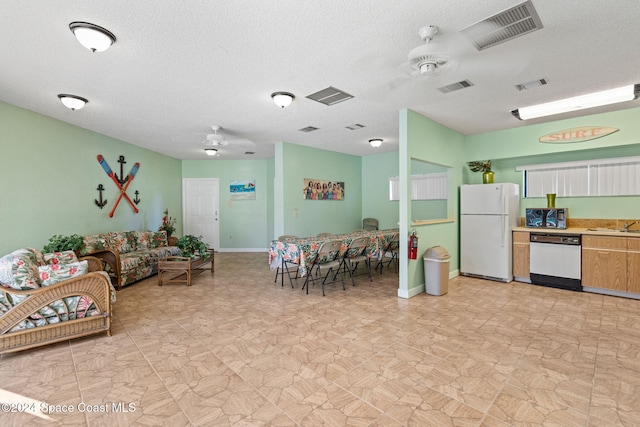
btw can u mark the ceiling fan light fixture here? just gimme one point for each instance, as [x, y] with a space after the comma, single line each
[376, 142]
[591, 100]
[282, 99]
[427, 68]
[91, 36]
[72, 102]
[211, 151]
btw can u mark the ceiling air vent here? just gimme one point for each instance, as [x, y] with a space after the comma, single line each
[504, 26]
[355, 127]
[330, 96]
[249, 152]
[531, 84]
[455, 86]
[308, 129]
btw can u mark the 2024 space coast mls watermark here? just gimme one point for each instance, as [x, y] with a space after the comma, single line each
[45, 408]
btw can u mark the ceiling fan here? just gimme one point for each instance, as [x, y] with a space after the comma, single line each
[430, 59]
[215, 139]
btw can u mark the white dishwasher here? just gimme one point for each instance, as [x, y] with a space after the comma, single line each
[556, 260]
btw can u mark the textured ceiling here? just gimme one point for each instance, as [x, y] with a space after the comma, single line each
[179, 67]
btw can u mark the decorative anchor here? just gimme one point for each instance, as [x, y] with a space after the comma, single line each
[100, 203]
[123, 179]
[136, 199]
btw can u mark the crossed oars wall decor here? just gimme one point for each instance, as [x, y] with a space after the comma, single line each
[121, 183]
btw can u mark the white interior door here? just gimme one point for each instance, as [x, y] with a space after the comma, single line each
[200, 204]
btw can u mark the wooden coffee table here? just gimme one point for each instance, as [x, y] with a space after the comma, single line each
[179, 269]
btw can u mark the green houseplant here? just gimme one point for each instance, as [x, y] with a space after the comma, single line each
[192, 246]
[483, 166]
[59, 243]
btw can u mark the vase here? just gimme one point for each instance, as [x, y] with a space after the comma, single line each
[487, 177]
[551, 200]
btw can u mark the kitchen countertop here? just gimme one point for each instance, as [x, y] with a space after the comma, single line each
[577, 230]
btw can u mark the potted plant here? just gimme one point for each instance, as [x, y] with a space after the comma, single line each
[58, 243]
[483, 166]
[192, 246]
[168, 224]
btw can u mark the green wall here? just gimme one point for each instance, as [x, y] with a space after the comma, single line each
[317, 216]
[519, 147]
[424, 139]
[376, 170]
[243, 223]
[50, 177]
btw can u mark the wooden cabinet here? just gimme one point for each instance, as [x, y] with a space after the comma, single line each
[521, 255]
[633, 264]
[611, 263]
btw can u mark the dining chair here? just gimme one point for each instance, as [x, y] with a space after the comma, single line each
[392, 247]
[370, 224]
[324, 235]
[284, 265]
[356, 253]
[326, 260]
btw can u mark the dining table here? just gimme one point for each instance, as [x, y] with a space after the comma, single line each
[304, 250]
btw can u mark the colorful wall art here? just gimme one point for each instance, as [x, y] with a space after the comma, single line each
[242, 189]
[320, 189]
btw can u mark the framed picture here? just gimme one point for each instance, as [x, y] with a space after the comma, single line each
[320, 189]
[242, 189]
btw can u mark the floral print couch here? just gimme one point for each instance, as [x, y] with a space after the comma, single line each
[46, 298]
[129, 255]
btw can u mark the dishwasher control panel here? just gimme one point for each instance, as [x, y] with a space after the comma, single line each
[559, 239]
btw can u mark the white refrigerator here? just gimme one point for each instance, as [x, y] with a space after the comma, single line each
[488, 212]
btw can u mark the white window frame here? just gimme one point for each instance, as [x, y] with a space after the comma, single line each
[618, 176]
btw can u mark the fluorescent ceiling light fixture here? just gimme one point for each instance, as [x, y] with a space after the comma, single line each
[375, 143]
[91, 36]
[596, 99]
[72, 102]
[211, 151]
[282, 99]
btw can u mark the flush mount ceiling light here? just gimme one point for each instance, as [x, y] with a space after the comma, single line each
[375, 143]
[91, 36]
[72, 102]
[211, 151]
[282, 99]
[596, 99]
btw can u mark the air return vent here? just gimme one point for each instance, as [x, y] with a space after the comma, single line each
[531, 84]
[455, 86]
[504, 26]
[355, 126]
[308, 129]
[330, 96]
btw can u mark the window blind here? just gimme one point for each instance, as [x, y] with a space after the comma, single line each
[600, 177]
[430, 186]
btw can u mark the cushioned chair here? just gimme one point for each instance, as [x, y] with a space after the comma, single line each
[356, 253]
[392, 247]
[284, 265]
[326, 260]
[370, 224]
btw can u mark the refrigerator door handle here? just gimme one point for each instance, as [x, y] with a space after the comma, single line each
[504, 233]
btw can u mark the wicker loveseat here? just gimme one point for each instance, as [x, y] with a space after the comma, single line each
[50, 298]
[129, 255]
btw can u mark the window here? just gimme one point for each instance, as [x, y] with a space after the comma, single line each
[588, 178]
[430, 186]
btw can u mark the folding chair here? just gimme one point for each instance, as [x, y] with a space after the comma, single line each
[392, 248]
[284, 265]
[357, 252]
[327, 259]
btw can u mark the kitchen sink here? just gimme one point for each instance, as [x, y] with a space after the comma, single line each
[613, 230]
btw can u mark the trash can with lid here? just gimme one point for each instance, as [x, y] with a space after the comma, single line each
[436, 270]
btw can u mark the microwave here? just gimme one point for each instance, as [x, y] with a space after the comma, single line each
[546, 217]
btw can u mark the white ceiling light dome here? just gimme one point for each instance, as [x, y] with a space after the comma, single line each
[72, 102]
[376, 142]
[91, 36]
[282, 99]
[211, 151]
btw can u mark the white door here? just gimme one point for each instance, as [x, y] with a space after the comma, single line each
[200, 209]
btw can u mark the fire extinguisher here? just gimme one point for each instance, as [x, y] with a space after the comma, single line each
[413, 246]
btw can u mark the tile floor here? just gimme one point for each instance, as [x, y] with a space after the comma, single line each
[236, 349]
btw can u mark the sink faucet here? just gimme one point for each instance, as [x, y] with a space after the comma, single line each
[627, 225]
